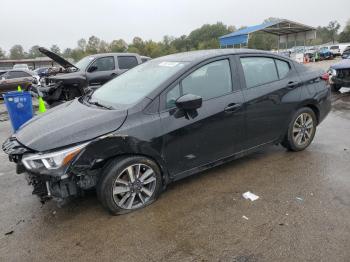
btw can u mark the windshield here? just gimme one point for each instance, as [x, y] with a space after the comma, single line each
[83, 63]
[136, 83]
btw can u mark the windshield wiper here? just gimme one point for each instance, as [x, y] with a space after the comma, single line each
[95, 103]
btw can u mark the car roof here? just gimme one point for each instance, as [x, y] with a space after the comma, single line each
[199, 55]
[21, 69]
[113, 54]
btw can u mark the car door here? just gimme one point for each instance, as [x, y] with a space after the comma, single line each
[271, 93]
[216, 131]
[126, 62]
[101, 71]
[23, 79]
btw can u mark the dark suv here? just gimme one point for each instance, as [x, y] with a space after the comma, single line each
[89, 73]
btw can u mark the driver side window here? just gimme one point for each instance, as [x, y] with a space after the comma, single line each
[209, 81]
[103, 64]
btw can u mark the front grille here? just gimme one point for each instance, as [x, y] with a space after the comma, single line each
[343, 73]
[12, 147]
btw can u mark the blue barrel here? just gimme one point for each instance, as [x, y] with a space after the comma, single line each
[19, 107]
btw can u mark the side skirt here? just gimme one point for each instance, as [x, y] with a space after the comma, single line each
[220, 161]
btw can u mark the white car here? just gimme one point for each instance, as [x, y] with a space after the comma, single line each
[21, 66]
[335, 49]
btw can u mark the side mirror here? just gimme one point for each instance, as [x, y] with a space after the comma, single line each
[187, 105]
[92, 69]
[189, 102]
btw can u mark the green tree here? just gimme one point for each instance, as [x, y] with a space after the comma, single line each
[2, 54]
[103, 47]
[133, 49]
[93, 44]
[77, 54]
[17, 52]
[34, 52]
[181, 44]
[345, 35]
[55, 49]
[208, 33]
[67, 53]
[333, 28]
[118, 46]
[152, 49]
[138, 43]
[82, 44]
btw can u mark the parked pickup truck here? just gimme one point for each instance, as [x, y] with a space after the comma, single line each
[89, 73]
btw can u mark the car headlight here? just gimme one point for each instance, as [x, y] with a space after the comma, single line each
[332, 72]
[54, 160]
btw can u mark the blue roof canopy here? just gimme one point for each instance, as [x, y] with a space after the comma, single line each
[279, 27]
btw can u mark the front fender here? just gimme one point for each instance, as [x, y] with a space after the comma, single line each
[101, 150]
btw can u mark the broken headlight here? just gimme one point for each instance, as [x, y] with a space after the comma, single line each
[332, 72]
[54, 160]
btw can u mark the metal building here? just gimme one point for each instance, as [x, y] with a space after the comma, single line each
[32, 63]
[286, 30]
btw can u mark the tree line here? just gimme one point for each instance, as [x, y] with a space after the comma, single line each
[205, 37]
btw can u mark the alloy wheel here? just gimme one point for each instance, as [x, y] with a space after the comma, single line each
[134, 186]
[303, 129]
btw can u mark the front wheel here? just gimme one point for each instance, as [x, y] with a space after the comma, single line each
[301, 130]
[129, 183]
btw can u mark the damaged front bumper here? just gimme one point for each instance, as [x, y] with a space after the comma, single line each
[61, 181]
[59, 187]
[340, 77]
[47, 187]
[49, 92]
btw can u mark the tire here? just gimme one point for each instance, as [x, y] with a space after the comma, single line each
[301, 131]
[335, 87]
[115, 188]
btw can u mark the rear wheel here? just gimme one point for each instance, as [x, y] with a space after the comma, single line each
[129, 184]
[301, 130]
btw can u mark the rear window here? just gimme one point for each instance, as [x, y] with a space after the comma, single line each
[335, 47]
[17, 74]
[127, 62]
[258, 70]
[283, 68]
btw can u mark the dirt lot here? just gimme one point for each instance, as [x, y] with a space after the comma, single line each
[302, 214]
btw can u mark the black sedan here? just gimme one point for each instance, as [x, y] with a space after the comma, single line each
[166, 119]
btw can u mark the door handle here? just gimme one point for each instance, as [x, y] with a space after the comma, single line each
[113, 74]
[292, 84]
[230, 108]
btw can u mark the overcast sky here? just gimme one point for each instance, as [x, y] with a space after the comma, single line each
[63, 22]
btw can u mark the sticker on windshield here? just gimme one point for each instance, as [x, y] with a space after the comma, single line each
[169, 64]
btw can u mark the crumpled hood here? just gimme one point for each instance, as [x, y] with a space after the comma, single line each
[55, 57]
[67, 124]
[65, 76]
[344, 64]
